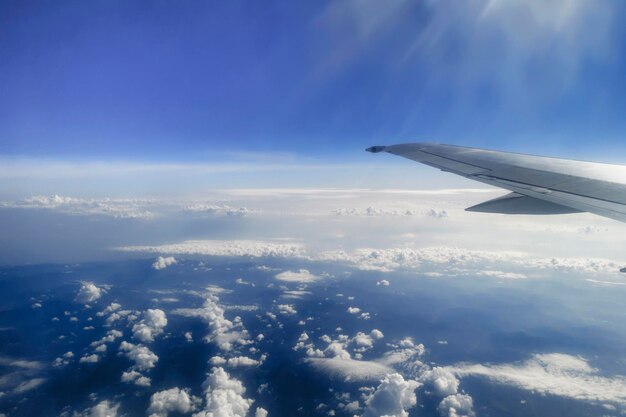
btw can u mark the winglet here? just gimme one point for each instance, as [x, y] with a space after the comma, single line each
[376, 149]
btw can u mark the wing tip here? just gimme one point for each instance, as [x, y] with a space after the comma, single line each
[376, 149]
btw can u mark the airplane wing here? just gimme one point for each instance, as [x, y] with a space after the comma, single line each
[538, 185]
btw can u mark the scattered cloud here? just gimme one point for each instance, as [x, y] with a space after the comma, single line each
[136, 378]
[242, 362]
[102, 409]
[143, 357]
[108, 338]
[63, 360]
[223, 396]
[287, 309]
[163, 262]
[152, 325]
[301, 276]
[457, 405]
[441, 380]
[222, 331]
[393, 397]
[173, 400]
[93, 358]
[88, 292]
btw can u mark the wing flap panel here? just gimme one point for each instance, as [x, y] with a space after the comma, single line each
[515, 203]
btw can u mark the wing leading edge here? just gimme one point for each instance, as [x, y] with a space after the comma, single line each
[538, 185]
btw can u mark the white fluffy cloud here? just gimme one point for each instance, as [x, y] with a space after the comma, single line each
[88, 292]
[242, 362]
[89, 359]
[287, 309]
[108, 338]
[163, 262]
[302, 276]
[365, 341]
[143, 357]
[223, 396]
[441, 380]
[109, 309]
[136, 378]
[152, 325]
[172, 400]
[554, 374]
[222, 331]
[102, 409]
[393, 397]
[457, 405]
[63, 359]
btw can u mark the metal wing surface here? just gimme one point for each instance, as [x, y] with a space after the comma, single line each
[538, 185]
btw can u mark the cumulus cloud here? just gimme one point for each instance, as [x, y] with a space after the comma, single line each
[223, 396]
[217, 361]
[302, 276]
[163, 262]
[222, 331]
[337, 349]
[457, 405]
[287, 309]
[242, 362]
[143, 357]
[555, 374]
[89, 359]
[173, 400]
[354, 310]
[88, 293]
[260, 412]
[152, 325]
[136, 378]
[441, 380]
[109, 309]
[108, 338]
[365, 341]
[63, 360]
[383, 283]
[393, 397]
[102, 409]
[376, 334]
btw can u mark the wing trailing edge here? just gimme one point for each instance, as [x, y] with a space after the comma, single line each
[515, 203]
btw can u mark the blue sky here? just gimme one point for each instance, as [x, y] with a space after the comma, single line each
[196, 81]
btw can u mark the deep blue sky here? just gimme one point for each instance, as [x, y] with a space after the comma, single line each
[161, 80]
